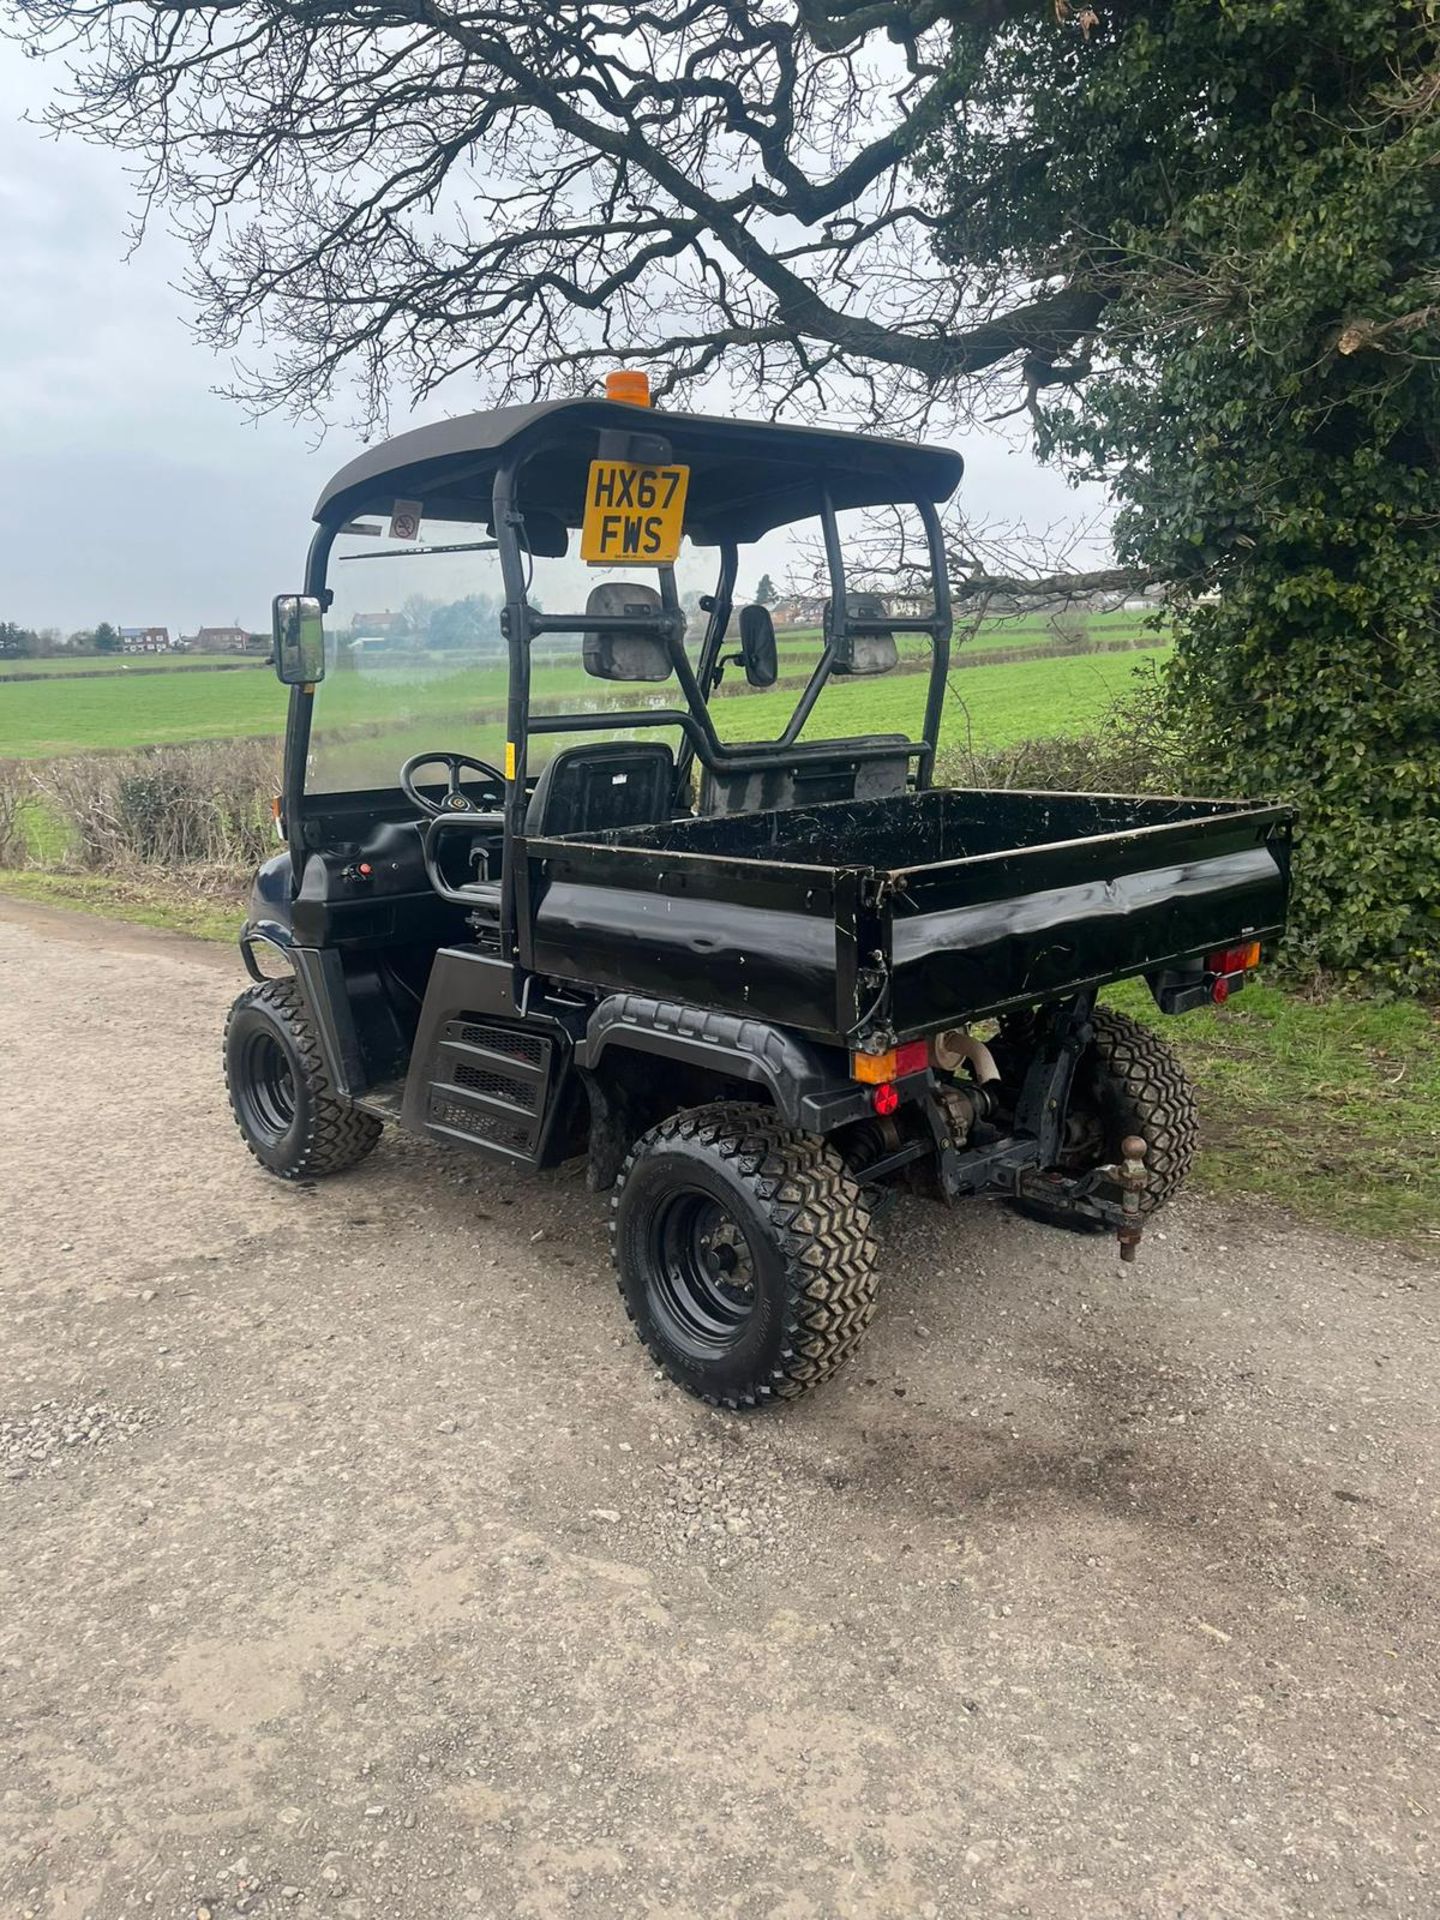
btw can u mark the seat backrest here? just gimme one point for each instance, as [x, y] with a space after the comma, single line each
[615, 783]
[807, 783]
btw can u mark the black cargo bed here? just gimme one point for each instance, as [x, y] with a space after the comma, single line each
[893, 915]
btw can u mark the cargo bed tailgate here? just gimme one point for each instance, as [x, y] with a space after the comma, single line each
[976, 934]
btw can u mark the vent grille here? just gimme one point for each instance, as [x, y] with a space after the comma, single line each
[519, 1046]
[499, 1085]
[480, 1126]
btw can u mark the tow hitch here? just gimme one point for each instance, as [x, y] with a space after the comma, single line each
[1111, 1195]
[1132, 1185]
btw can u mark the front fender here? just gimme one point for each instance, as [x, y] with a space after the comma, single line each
[268, 920]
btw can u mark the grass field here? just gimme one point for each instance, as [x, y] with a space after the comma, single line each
[77, 706]
[1036, 630]
[985, 706]
[148, 903]
[64, 668]
[993, 704]
[49, 717]
[1330, 1107]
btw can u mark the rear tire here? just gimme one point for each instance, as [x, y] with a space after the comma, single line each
[1128, 1081]
[744, 1254]
[287, 1110]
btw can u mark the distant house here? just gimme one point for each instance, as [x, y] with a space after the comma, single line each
[910, 606]
[804, 610]
[145, 640]
[367, 625]
[798, 611]
[226, 640]
[221, 640]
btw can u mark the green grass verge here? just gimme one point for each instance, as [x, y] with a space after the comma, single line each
[1328, 1106]
[171, 905]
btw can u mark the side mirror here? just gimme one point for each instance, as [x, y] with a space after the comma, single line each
[299, 626]
[633, 653]
[757, 646]
[861, 653]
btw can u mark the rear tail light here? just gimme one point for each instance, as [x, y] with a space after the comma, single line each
[1229, 965]
[878, 1069]
[1234, 959]
[913, 1057]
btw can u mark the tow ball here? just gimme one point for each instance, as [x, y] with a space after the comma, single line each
[1132, 1185]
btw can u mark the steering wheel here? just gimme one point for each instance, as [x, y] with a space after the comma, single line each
[455, 800]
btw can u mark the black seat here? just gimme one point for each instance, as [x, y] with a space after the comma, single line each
[799, 783]
[589, 789]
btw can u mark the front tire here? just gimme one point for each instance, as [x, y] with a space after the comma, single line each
[288, 1112]
[744, 1254]
[1127, 1082]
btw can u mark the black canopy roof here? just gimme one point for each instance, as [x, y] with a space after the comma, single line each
[746, 476]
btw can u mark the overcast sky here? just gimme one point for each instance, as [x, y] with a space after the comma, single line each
[129, 491]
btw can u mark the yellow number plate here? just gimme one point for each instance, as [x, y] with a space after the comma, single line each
[633, 515]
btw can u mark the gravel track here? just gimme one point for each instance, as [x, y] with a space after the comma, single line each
[354, 1561]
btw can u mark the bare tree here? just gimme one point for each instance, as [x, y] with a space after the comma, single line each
[507, 190]
[995, 568]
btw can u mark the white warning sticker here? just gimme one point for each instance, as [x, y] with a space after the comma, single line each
[405, 520]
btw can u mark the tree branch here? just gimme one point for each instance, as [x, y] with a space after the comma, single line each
[1054, 588]
[507, 190]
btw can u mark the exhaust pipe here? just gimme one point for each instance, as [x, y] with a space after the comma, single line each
[957, 1047]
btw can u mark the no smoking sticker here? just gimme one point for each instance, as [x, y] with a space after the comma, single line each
[405, 520]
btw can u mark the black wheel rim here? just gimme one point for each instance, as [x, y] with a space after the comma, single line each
[266, 1088]
[703, 1276]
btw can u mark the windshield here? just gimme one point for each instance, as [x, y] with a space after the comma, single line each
[415, 659]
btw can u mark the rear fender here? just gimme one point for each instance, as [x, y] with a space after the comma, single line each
[809, 1085]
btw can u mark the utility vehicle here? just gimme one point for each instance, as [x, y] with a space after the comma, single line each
[730, 942]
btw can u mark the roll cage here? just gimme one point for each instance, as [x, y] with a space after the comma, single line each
[748, 479]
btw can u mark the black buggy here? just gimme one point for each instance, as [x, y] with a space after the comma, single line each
[756, 980]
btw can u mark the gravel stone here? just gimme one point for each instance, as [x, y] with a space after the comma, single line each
[775, 1680]
[49, 1427]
